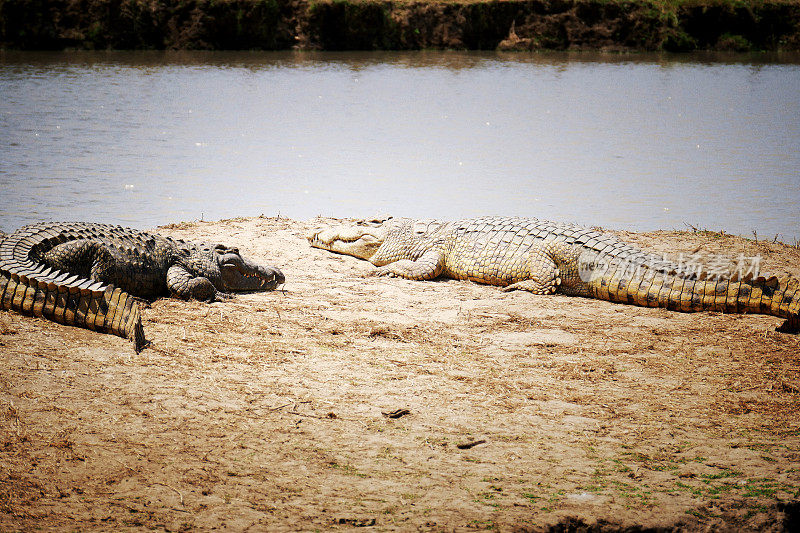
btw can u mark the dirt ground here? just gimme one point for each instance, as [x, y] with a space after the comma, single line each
[348, 401]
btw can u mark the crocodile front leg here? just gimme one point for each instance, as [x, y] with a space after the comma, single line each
[183, 284]
[427, 267]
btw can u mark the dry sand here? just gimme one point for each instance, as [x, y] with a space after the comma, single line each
[518, 412]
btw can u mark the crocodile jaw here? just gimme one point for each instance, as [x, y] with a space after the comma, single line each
[239, 274]
[359, 241]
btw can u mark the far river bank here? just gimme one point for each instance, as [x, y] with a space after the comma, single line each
[400, 25]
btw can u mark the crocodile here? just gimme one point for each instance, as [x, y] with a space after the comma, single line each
[96, 276]
[545, 257]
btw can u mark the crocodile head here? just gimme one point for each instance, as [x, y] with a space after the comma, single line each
[361, 240]
[234, 273]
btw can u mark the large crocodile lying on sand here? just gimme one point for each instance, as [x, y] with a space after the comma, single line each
[93, 275]
[547, 257]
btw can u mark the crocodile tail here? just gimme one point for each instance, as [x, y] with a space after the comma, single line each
[32, 288]
[81, 303]
[787, 302]
[653, 288]
[123, 316]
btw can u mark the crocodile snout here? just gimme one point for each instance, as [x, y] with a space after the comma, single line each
[277, 279]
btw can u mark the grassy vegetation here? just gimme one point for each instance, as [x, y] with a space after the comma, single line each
[673, 25]
[645, 480]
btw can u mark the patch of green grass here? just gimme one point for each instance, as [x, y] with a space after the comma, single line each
[620, 466]
[695, 459]
[660, 467]
[754, 510]
[639, 457]
[715, 490]
[632, 492]
[533, 498]
[764, 490]
[688, 488]
[721, 475]
[487, 498]
[759, 446]
[712, 485]
[483, 524]
[659, 462]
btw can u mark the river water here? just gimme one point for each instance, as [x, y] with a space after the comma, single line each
[621, 141]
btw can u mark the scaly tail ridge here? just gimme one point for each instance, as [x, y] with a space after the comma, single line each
[123, 316]
[652, 288]
[786, 303]
[74, 302]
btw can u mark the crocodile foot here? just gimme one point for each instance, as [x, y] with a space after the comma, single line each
[790, 325]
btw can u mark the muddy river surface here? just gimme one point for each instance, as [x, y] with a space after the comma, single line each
[627, 142]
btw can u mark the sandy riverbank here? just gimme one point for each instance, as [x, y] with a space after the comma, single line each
[269, 411]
